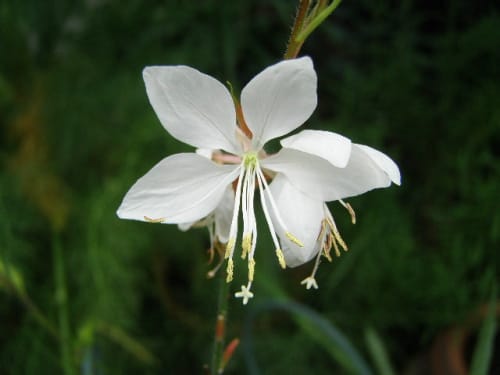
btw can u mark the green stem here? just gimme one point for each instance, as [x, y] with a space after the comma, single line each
[293, 46]
[62, 305]
[217, 366]
[316, 21]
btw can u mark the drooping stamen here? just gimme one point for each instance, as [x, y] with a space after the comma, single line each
[349, 209]
[266, 211]
[233, 231]
[251, 269]
[267, 191]
[150, 220]
[246, 245]
[281, 258]
[229, 270]
[333, 229]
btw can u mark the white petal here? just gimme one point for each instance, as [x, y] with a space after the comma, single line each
[179, 189]
[384, 162]
[302, 217]
[279, 99]
[223, 214]
[327, 145]
[320, 180]
[194, 107]
[186, 226]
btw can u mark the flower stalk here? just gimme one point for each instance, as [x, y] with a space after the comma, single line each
[308, 18]
[218, 363]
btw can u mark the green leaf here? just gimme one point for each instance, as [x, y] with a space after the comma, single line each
[481, 358]
[378, 352]
[319, 329]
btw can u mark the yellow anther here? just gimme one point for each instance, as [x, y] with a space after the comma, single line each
[336, 247]
[351, 212]
[251, 268]
[150, 220]
[281, 258]
[327, 246]
[294, 239]
[229, 270]
[339, 239]
[229, 247]
[336, 235]
[246, 245]
[349, 209]
[322, 231]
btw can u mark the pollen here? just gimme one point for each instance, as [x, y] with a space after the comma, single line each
[229, 270]
[229, 247]
[281, 258]
[150, 220]
[246, 245]
[250, 160]
[294, 239]
[251, 269]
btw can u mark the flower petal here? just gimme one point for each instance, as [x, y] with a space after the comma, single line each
[327, 145]
[302, 215]
[193, 107]
[384, 162]
[279, 99]
[224, 214]
[321, 180]
[179, 189]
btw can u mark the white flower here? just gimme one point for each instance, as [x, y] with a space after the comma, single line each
[312, 168]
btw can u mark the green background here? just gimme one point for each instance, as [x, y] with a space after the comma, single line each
[419, 80]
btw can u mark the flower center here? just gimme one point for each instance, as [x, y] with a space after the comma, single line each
[250, 160]
[251, 175]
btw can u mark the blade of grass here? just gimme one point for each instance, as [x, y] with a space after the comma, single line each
[481, 358]
[319, 328]
[378, 352]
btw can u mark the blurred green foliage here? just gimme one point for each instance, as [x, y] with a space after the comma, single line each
[84, 292]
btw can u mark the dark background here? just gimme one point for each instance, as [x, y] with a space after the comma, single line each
[419, 80]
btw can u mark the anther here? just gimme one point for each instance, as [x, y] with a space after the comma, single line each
[229, 247]
[349, 209]
[281, 258]
[246, 245]
[150, 220]
[294, 239]
[229, 270]
[251, 268]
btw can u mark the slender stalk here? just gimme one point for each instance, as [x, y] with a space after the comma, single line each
[293, 46]
[317, 21]
[217, 365]
[62, 305]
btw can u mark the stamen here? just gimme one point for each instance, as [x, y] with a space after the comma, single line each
[213, 271]
[262, 180]
[159, 220]
[229, 270]
[336, 234]
[246, 245]
[281, 258]
[266, 211]
[229, 247]
[327, 246]
[251, 268]
[233, 231]
[294, 239]
[335, 246]
[349, 209]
